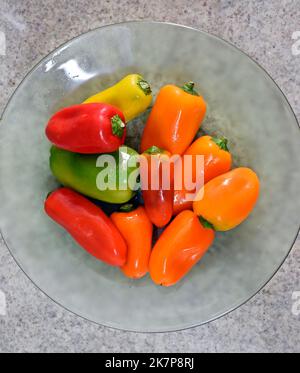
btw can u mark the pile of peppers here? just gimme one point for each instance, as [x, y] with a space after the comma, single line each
[124, 238]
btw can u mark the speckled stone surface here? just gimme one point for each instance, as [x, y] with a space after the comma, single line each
[263, 29]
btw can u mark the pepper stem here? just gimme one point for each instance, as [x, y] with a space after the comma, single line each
[154, 150]
[221, 142]
[117, 126]
[189, 88]
[127, 207]
[206, 223]
[145, 86]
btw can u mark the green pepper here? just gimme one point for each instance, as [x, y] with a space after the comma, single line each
[81, 172]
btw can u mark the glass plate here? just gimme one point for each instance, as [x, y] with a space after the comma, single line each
[244, 104]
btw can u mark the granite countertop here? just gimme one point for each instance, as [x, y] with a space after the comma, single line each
[264, 29]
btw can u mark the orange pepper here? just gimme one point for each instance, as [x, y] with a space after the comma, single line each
[228, 199]
[217, 160]
[175, 119]
[136, 229]
[182, 244]
[158, 202]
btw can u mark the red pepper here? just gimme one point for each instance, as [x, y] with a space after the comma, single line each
[88, 225]
[89, 128]
[158, 202]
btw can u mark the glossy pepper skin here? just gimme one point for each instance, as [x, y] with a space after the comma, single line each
[158, 202]
[217, 161]
[132, 95]
[80, 172]
[88, 129]
[182, 244]
[88, 225]
[174, 119]
[228, 199]
[136, 228]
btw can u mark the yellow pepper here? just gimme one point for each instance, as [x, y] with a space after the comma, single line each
[132, 95]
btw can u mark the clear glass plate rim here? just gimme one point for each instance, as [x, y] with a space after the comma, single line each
[60, 48]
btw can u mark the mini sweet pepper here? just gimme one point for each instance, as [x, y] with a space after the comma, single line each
[91, 128]
[174, 119]
[158, 198]
[132, 95]
[216, 161]
[81, 172]
[181, 245]
[88, 225]
[136, 228]
[228, 199]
